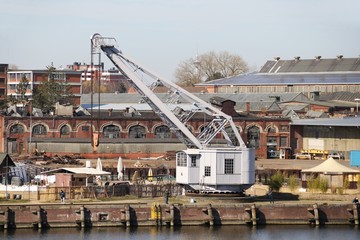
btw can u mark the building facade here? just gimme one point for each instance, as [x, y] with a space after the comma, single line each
[312, 77]
[35, 77]
[127, 133]
[3, 80]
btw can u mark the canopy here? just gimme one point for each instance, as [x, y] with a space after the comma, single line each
[330, 166]
[83, 170]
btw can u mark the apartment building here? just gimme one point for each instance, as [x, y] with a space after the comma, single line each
[36, 77]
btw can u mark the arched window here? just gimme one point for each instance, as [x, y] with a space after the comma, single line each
[39, 130]
[17, 129]
[111, 131]
[65, 130]
[162, 132]
[253, 137]
[137, 132]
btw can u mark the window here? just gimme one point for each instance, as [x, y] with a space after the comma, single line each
[207, 171]
[137, 132]
[284, 128]
[162, 132]
[39, 130]
[85, 128]
[229, 166]
[111, 131]
[271, 129]
[65, 130]
[181, 159]
[17, 128]
[193, 161]
[283, 141]
[253, 137]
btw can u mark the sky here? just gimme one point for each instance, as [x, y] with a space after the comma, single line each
[160, 34]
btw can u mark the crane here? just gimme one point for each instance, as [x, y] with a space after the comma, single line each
[203, 166]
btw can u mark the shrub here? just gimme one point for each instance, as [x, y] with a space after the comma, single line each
[276, 181]
[323, 185]
[292, 182]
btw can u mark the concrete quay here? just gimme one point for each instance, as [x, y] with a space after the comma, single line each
[181, 211]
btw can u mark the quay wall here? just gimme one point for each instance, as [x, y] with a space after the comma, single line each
[142, 214]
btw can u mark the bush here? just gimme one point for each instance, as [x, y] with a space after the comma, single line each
[292, 182]
[276, 181]
[323, 185]
[318, 184]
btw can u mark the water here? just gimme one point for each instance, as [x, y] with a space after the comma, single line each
[278, 232]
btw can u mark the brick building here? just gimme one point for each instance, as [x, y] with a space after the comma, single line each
[3, 80]
[131, 133]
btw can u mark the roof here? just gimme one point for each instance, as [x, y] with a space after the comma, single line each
[312, 65]
[330, 166]
[343, 122]
[83, 170]
[269, 79]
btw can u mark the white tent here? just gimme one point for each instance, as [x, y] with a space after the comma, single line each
[120, 169]
[330, 166]
[335, 172]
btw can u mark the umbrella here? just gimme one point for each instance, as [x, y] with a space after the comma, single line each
[120, 169]
[99, 168]
[150, 175]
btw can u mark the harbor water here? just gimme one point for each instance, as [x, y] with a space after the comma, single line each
[278, 232]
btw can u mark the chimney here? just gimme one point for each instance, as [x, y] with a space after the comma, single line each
[297, 58]
[317, 57]
[276, 58]
[339, 57]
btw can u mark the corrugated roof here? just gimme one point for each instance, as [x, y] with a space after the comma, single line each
[287, 79]
[346, 121]
[312, 65]
[125, 98]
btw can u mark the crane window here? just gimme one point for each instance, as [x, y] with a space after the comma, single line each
[193, 161]
[181, 159]
[229, 166]
[207, 171]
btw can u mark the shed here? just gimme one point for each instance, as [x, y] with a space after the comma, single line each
[66, 177]
[335, 172]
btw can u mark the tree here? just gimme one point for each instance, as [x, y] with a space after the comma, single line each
[51, 91]
[209, 66]
[21, 89]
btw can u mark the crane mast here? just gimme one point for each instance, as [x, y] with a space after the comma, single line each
[176, 118]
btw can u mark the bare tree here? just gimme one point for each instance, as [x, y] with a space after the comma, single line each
[209, 66]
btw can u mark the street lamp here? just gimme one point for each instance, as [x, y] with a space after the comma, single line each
[30, 104]
[357, 104]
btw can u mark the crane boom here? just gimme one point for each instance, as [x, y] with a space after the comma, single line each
[136, 73]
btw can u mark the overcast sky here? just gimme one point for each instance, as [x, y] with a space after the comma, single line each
[162, 33]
